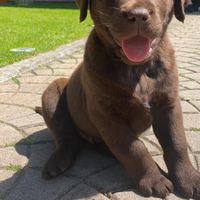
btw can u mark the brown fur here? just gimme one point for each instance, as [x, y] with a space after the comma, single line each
[113, 100]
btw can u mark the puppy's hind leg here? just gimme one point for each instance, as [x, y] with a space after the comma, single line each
[60, 124]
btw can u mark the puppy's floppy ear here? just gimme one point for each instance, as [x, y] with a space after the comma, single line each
[179, 10]
[83, 6]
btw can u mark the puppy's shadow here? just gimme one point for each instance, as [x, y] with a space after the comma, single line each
[95, 172]
[90, 174]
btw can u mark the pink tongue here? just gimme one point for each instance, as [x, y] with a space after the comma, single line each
[136, 48]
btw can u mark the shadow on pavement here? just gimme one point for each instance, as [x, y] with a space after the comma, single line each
[91, 176]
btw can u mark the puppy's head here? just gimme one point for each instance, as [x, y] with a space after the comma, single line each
[133, 29]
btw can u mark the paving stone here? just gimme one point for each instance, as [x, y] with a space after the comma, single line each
[7, 179]
[33, 79]
[39, 133]
[8, 82]
[26, 74]
[9, 135]
[80, 60]
[59, 65]
[185, 65]
[184, 58]
[184, 71]
[197, 62]
[175, 197]
[191, 84]
[181, 88]
[190, 94]
[28, 120]
[183, 79]
[2, 108]
[9, 88]
[151, 148]
[197, 104]
[154, 141]
[148, 132]
[160, 161]
[13, 155]
[69, 61]
[78, 54]
[191, 120]
[84, 192]
[193, 161]
[197, 156]
[193, 139]
[53, 78]
[43, 72]
[32, 88]
[89, 162]
[177, 53]
[25, 99]
[63, 72]
[14, 112]
[112, 179]
[188, 108]
[131, 194]
[193, 76]
[4, 97]
[33, 187]
[36, 160]
[194, 68]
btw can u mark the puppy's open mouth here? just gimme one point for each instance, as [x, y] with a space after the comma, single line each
[137, 48]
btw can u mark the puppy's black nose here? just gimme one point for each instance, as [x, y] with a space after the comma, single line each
[138, 14]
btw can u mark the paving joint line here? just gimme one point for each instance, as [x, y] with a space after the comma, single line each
[153, 144]
[198, 109]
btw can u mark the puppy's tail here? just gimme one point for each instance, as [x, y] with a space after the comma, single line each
[38, 110]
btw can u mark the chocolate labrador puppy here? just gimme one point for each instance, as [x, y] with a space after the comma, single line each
[127, 82]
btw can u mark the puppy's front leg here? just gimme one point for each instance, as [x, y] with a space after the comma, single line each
[168, 127]
[132, 153]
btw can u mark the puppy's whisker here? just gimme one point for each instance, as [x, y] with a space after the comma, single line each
[115, 8]
[104, 24]
[103, 13]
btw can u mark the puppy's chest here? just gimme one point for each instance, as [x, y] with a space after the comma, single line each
[139, 107]
[143, 93]
[143, 90]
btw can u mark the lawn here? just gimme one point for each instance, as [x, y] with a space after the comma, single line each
[42, 26]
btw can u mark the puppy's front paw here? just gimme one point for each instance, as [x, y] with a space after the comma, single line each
[58, 162]
[187, 183]
[154, 183]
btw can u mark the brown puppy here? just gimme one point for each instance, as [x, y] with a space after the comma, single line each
[127, 82]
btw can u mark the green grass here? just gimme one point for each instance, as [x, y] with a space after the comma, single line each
[40, 26]
[14, 167]
[14, 144]
[15, 80]
[31, 141]
[63, 74]
[194, 129]
[25, 142]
